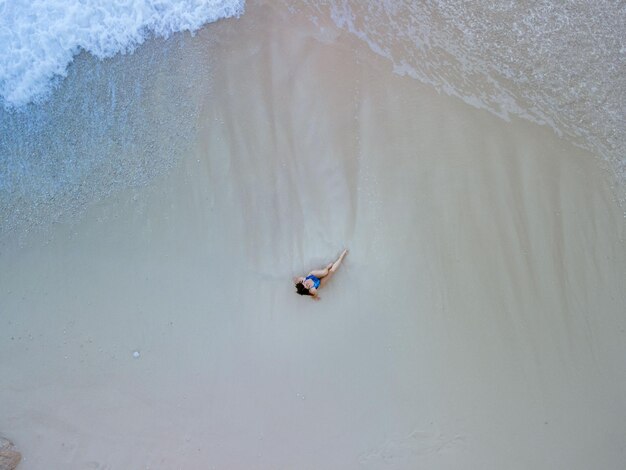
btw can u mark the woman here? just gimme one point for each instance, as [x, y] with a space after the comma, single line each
[317, 278]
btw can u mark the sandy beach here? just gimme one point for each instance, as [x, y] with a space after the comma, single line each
[477, 322]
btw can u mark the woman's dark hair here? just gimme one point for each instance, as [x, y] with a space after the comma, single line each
[301, 289]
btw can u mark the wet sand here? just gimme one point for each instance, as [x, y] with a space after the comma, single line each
[477, 322]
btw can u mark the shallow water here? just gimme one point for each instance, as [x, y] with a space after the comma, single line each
[560, 64]
[110, 125]
[116, 123]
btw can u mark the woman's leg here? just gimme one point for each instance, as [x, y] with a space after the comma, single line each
[332, 268]
[321, 273]
[335, 265]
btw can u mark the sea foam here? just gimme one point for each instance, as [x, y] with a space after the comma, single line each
[39, 38]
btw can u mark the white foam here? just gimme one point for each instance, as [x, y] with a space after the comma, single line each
[39, 38]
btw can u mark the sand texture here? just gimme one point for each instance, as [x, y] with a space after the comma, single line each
[477, 322]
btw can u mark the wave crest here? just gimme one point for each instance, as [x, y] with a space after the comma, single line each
[39, 38]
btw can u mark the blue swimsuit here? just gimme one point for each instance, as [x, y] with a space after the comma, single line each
[316, 281]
